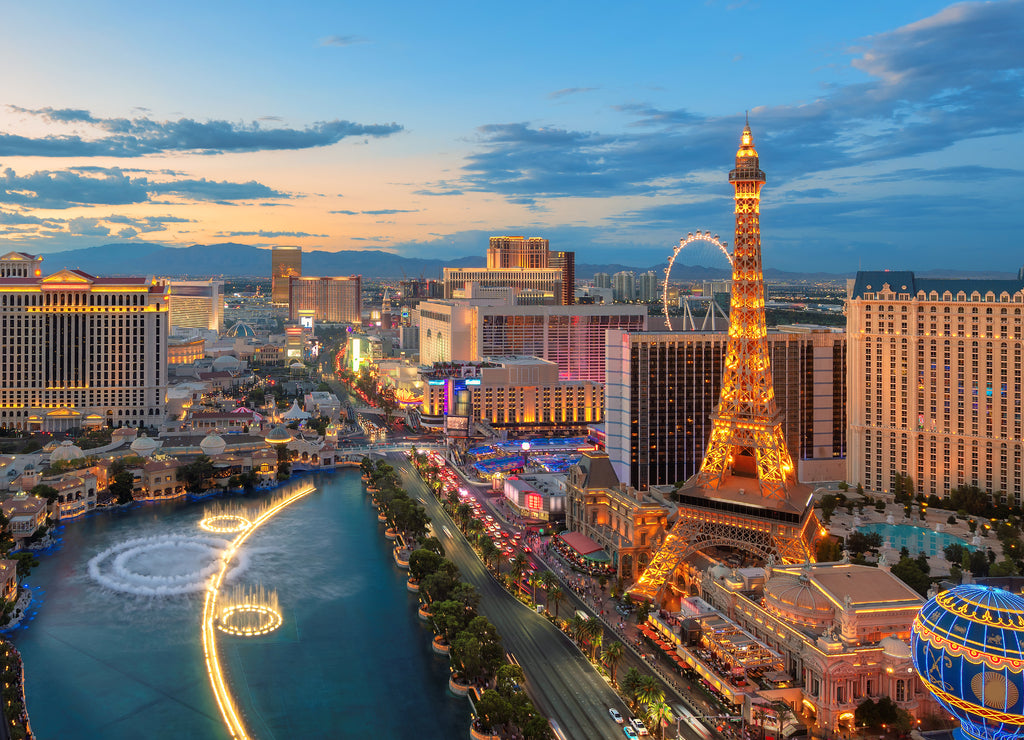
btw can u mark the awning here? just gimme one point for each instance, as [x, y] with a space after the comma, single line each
[580, 543]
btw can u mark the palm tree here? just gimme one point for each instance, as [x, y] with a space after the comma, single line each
[613, 655]
[595, 635]
[659, 714]
[577, 627]
[547, 579]
[649, 691]
[556, 595]
[463, 514]
[759, 715]
[518, 564]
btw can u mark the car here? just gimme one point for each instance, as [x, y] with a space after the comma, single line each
[639, 726]
[615, 715]
[629, 732]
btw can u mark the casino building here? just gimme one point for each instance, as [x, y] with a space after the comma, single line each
[79, 351]
[842, 630]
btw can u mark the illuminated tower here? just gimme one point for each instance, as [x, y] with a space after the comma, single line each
[286, 263]
[746, 428]
[745, 495]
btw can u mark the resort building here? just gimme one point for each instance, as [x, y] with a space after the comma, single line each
[80, 351]
[662, 388]
[20, 264]
[627, 524]
[25, 515]
[935, 383]
[517, 394]
[523, 264]
[285, 263]
[159, 481]
[841, 631]
[196, 304]
[333, 300]
[185, 350]
[537, 497]
[572, 337]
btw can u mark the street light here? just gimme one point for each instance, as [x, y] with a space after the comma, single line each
[526, 454]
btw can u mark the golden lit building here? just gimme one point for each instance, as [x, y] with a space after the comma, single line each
[184, 351]
[842, 630]
[934, 377]
[521, 394]
[78, 350]
[330, 299]
[285, 263]
[627, 524]
[196, 304]
[20, 264]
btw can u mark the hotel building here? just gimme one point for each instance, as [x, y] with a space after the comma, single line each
[522, 264]
[285, 263]
[20, 264]
[519, 394]
[81, 351]
[196, 304]
[842, 632]
[333, 300]
[935, 383]
[662, 388]
[572, 337]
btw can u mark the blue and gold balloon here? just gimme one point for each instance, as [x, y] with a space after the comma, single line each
[968, 648]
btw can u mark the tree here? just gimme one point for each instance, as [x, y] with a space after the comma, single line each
[121, 487]
[630, 685]
[493, 710]
[518, 565]
[423, 562]
[556, 595]
[908, 571]
[828, 507]
[659, 715]
[979, 564]
[649, 691]
[593, 633]
[860, 542]
[613, 655]
[954, 552]
[1003, 567]
[508, 679]
[463, 514]
[197, 472]
[44, 491]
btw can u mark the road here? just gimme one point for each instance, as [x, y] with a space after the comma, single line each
[562, 683]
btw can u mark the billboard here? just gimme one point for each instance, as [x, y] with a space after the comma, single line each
[456, 426]
[534, 502]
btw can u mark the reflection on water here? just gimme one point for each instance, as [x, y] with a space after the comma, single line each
[113, 650]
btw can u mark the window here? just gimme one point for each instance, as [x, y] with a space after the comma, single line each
[901, 690]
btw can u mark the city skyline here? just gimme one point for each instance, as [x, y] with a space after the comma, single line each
[889, 128]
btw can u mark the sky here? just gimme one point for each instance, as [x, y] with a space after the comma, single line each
[890, 132]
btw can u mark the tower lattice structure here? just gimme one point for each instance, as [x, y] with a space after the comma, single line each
[747, 446]
[746, 428]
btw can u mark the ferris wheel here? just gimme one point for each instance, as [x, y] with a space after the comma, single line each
[700, 236]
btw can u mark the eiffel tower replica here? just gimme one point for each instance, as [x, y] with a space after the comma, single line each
[745, 495]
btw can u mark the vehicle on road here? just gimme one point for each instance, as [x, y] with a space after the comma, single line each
[639, 726]
[615, 715]
[629, 732]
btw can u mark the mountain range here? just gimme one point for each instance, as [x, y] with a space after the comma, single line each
[241, 260]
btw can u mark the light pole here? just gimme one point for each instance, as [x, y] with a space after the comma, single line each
[526, 454]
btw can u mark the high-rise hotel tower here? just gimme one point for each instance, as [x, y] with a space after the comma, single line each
[285, 263]
[80, 351]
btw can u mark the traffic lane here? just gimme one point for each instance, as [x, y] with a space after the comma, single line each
[561, 681]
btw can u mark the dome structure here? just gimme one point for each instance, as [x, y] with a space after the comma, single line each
[279, 435]
[240, 329]
[67, 450]
[226, 362]
[968, 648]
[145, 446]
[212, 444]
[894, 647]
[794, 598]
[295, 413]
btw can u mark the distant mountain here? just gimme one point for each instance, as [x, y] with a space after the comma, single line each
[241, 260]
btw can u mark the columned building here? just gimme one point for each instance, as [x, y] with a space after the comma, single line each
[935, 383]
[20, 264]
[286, 263]
[81, 351]
[336, 300]
[662, 388]
[526, 265]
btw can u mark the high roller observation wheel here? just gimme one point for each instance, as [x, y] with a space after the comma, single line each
[690, 238]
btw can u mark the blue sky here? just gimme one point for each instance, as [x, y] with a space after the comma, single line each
[890, 132]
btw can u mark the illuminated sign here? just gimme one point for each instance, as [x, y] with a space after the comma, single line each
[355, 354]
[435, 382]
[456, 426]
[473, 381]
[306, 322]
[534, 501]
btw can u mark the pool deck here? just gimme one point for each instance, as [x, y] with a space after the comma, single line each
[842, 525]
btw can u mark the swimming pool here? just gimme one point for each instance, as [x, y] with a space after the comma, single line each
[915, 539]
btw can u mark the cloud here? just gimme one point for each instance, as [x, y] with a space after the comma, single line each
[225, 234]
[136, 137]
[950, 78]
[378, 212]
[343, 41]
[88, 227]
[566, 91]
[99, 186]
